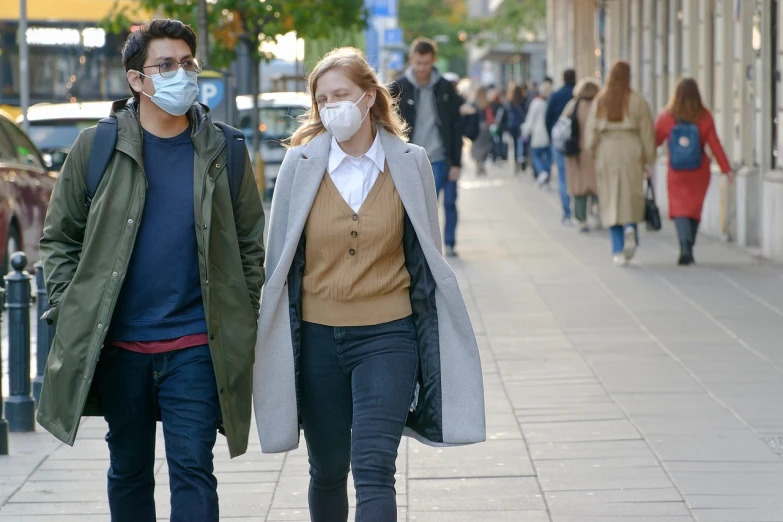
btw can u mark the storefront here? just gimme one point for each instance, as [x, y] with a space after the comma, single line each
[71, 57]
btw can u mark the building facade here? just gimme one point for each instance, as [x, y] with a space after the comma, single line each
[734, 50]
[502, 62]
[71, 56]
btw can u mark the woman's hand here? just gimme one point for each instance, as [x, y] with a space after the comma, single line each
[730, 176]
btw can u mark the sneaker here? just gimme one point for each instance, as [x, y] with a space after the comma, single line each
[629, 249]
[584, 228]
[620, 260]
[594, 222]
[686, 260]
[566, 221]
[542, 178]
[450, 252]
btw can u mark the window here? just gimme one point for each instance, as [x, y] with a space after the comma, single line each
[26, 153]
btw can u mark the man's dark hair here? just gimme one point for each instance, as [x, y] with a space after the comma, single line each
[424, 46]
[134, 53]
[569, 77]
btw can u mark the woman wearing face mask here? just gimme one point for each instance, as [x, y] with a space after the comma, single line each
[363, 334]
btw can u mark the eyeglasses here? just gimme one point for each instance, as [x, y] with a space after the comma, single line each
[168, 68]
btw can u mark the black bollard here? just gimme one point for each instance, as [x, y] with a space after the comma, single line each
[45, 333]
[3, 422]
[19, 406]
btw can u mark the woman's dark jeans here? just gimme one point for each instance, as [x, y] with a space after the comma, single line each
[687, 229]
[356, 387]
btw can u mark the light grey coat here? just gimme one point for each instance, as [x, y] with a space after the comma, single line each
[274, 388]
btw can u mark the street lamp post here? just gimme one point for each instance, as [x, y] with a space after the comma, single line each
[24, 66]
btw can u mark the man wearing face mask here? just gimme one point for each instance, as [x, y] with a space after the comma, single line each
[155, 282]
[430, 106]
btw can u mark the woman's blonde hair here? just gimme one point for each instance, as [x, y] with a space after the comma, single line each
[355, 66]
[614, 98]
[587, 89]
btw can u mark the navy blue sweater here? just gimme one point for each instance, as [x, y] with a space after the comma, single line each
[161, 295]
[557, 104]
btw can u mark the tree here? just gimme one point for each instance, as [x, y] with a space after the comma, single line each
[250, 23]
[443, 20]
[508, 22]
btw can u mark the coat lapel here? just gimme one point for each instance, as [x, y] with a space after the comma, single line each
[405, 174]
[307, 178]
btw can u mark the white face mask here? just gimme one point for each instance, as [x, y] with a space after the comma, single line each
[174, 95]
[343, 119]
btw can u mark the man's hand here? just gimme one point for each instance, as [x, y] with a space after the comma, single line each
[454, 173]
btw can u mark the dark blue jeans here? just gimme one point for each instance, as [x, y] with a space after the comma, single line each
[565, 199]
[442, 184]
[356, 387]
[617, 235]
[542, 160]
[181, 386]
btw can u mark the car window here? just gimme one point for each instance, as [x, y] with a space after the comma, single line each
[49, 135]
[7, 154]
[274, 122]
[23, 148]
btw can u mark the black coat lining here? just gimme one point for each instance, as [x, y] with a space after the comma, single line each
[427, 417]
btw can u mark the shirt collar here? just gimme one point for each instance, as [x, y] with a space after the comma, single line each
[375, 154]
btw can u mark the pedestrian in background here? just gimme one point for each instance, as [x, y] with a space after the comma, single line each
[580, 168]
[621, 138]
[155, 286]
[557, 102]
[431, 107]
[363, 332]
[535, 129]
[688, 126]
[482, 144]
[517, 110]
[499, 128]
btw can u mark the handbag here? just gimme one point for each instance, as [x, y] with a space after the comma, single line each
[571, 147]
[651, 213]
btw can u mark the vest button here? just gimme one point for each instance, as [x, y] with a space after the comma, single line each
[354, 234]
[352, 252]
[355, 217]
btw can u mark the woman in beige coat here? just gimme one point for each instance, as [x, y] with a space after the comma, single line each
[621, 139]
[580, 169]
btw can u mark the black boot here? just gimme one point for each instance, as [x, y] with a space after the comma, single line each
[684, 233]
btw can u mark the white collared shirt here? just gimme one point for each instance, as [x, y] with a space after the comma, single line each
[355, 177]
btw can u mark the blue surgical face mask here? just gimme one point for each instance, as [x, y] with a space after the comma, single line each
[174, 95]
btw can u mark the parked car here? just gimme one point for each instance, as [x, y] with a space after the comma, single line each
[55, 126]
[26, 183]
[277, 120]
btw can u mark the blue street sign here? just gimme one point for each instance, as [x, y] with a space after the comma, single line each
[395, 61]
[210, 92]
[393, 36]
[383, 7]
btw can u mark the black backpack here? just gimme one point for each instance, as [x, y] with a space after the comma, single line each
[106, 138]
[571, 147]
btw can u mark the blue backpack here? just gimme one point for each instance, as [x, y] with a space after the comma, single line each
[685, 150]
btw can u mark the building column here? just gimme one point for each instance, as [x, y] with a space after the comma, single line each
[722, 104]
[747, 91]
[637, 44]
[585, 59]
[690, 38]
[675, 42]
[662, 54]
[649, 70]
[706, 49]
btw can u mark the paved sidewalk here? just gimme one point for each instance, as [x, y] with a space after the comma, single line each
[642, 394]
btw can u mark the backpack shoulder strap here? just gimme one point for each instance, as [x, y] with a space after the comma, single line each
[100, 155]
[235, 157]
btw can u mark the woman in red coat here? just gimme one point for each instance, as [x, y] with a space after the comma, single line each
[688, 188]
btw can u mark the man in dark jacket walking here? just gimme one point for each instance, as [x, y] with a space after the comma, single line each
[430, 105]
[556, 106]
